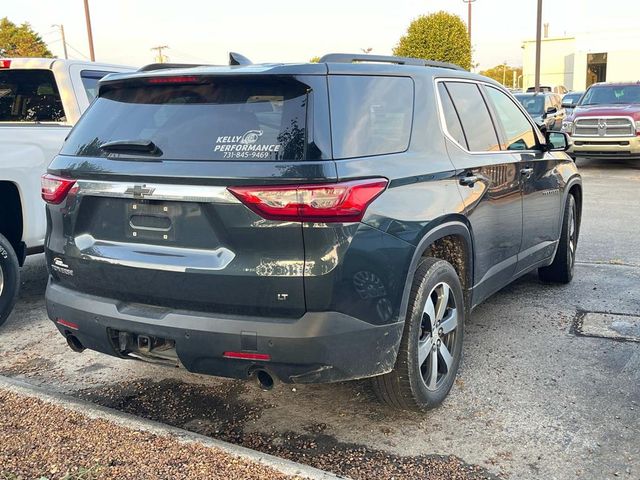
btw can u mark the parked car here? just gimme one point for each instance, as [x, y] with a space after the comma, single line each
[308, 223]
[40, 99]
[545, 108]
[569, 101]
[559, 89]
[606, 122]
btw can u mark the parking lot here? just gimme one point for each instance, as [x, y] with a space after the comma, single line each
[548, 388]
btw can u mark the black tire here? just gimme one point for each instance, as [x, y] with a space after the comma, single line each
[9, 279]
[561, 270]
[409, 385]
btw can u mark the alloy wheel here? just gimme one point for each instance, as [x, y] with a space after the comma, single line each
[1, 280]
[437, 336]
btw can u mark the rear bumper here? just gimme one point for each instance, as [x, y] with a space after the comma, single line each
[606, 147]
[319, 347]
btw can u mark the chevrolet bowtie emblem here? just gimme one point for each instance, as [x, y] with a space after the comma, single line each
[139, 191]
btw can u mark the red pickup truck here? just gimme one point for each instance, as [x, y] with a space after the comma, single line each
[606, 122]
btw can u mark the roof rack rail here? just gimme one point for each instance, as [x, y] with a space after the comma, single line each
[355, 57]
[163, 66]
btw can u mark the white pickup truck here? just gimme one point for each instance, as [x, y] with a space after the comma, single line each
[40, 100]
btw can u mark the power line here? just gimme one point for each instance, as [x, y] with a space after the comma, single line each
[77, 51]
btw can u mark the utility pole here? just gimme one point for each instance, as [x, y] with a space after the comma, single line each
[469, 2]
[159, 48]
[538, 45]
[64, 41]
[87, 17]
[504, 73]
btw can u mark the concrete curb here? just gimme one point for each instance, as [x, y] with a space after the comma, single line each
[136, 423]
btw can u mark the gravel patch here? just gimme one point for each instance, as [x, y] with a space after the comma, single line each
[223, 413]
[40, 439]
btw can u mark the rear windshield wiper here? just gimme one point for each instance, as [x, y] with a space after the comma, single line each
[132, 146]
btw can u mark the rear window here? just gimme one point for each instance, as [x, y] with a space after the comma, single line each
[224, 118]
[370, 115]
[29, 96]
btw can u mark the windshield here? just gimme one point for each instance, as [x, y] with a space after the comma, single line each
[571, 98]
[534, 104]
[210, 119]
[612, 95]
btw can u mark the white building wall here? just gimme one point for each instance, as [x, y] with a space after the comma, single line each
[564, 59]
[623, 66]
[556, 65]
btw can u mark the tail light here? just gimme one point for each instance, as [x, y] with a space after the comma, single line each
[4, 63]
[335, 202]
[55, 189]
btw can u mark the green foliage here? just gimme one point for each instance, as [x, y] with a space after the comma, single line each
[503, 72]
[440, 36]
[21, 41]
[315, 59]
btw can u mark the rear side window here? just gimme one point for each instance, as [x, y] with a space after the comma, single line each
[370, 115]
[29, 96]
[90, 79]
[452, 121]
[474, 116]
[209, 118]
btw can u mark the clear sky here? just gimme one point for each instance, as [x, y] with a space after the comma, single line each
[287, 30]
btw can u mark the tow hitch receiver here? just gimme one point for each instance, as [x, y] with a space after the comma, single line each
[145, 347]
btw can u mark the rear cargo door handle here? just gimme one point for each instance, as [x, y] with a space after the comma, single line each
[526, 171]
[469, 181]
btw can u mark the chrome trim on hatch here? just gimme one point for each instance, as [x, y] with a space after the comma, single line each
[156, 191]
[154, 257]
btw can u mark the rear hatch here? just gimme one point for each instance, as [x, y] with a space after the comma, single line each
[150, 219]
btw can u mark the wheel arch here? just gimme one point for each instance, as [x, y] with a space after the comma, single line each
[457, 229]
[11, 218]
[573, 187]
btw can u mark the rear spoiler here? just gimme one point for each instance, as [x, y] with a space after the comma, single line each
[234, 59]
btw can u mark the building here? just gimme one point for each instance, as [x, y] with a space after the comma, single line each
[577, 62]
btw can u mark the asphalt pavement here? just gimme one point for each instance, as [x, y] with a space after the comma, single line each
[549, 387]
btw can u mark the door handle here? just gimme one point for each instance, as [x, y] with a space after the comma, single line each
[526, 171]
[469, 181]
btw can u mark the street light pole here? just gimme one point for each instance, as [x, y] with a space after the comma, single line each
[538, 45]
[469, 2]
[64, 41]
[87, 17]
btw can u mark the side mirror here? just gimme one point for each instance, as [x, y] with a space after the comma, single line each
[558, 141]
[551, 110]
[567, 105]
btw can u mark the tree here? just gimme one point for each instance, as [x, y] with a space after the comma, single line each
[503, 74]
[440, 36]
[315, 59]
[21, 41]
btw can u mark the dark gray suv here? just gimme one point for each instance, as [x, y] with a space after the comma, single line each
[306, 222]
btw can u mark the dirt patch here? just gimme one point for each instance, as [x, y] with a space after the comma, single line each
[219, 412]
[212, 411]
[41, 440]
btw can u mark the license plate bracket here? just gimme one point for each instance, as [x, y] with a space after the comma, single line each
[151, 221]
